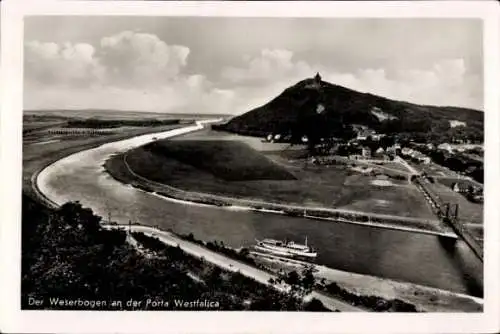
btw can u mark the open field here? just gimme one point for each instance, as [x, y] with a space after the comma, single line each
[40, 125]
[226, 160]
[314, 186]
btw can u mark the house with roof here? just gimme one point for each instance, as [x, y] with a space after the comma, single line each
[462, 188]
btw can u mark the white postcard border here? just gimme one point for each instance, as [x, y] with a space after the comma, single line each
[14, 320]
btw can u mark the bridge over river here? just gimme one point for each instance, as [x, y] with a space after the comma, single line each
[449, 216]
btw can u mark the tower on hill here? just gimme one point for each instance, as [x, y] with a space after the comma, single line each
[314, 83]
[317, 78]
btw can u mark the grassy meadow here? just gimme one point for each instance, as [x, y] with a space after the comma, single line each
[231, 168]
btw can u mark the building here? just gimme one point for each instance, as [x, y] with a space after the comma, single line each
[316, 82]
[425, 159]
[446, 147]
[390, 150]
[379, 153]
[461, 188]
[378, 136]
[366, 152]
[317, 78]
[406, 151]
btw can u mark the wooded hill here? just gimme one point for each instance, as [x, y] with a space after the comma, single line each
[318, 108]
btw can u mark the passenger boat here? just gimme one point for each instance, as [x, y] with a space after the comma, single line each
[286, 248]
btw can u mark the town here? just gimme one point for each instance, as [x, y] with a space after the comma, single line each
[461, 159]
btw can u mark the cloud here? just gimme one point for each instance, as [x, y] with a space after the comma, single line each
[54, 64]
[139, 71]
[445, 82]
[266, 67]
[140, 58]
[127, 70]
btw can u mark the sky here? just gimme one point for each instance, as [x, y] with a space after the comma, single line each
[230, 65]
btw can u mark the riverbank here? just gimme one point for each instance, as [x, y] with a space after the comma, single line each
[425, 299]
[352, 287]
[226, 263]
[119, 169]
[37, 160]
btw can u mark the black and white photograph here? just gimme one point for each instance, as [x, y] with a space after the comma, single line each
[192, 161]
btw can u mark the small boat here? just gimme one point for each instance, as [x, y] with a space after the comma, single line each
[286, 248]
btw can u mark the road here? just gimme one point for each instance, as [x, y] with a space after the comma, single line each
[407, 165]
[233, 265]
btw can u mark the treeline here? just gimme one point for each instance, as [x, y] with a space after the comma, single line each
[107, 123]
[66, 254]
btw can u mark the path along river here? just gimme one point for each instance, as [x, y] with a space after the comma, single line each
[416, 258]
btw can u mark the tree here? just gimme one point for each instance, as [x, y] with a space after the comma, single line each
[293, 278]
[244, 252]
[74, 214]
[308, 281]
[315, 305]
[214, 276]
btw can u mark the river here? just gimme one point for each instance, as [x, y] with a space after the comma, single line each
[411, 257]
